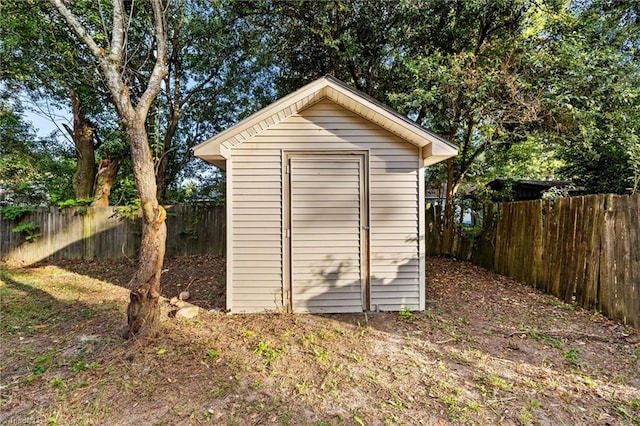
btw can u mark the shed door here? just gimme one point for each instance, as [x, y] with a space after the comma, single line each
[326, 219]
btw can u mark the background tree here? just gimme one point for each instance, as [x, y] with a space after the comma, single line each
[31, 172]
[38, 60]
[591, 67]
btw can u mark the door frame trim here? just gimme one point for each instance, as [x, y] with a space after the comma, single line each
[365, 254]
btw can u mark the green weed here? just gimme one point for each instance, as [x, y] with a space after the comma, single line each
[212, 354]
[406, 315]
[265, 351]
[571, 355]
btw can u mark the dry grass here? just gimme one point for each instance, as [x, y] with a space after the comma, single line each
[487, 351]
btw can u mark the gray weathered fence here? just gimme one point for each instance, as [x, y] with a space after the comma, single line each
[584, 250]
[87, 233]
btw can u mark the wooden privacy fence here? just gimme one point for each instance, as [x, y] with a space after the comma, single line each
[584, 250]
[93, 232]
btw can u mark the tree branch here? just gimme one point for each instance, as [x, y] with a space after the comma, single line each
[77, 27]
[160, 68]
[117, 37]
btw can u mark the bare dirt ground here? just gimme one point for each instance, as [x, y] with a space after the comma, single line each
[486, 351]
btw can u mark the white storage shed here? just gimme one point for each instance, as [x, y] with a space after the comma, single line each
[325, 203]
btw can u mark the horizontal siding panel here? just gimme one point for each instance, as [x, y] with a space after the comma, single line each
[328, 120]
[312, 184]
[265, 214]
[250, 192]
[408, 179]
[407, 209]
[253, 171]
[407, 279]
[375, 199]
[384, 183]
[384, 227]
[334, 251]
[346, 264]
[256, 184]
[378, 190]
[256, 153]
[408, 250]
[257, 237]
[319, 225]
[258, 220]
[386, 270]
[398, 294]
[256, 250]
[256, 177]
[259, 205]
[395, 166]
[241, 255]
[253, 276]
[240, 244]
[244, 200]
[244, 230]
[301, 218]
[271, 300]
[308, 286]
[349, 235]
[327, 244]
[247, 265]
[338, 174]
[329, 299]
[309, 279]
[394, 236]
[398, 258]
[244, 163]
[322, 191]
[322, 206]
[322, 198]
[274, 289]
[354, 302]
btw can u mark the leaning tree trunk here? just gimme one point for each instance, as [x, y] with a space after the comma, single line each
[82, 135]
[106, 176]
[143, 310]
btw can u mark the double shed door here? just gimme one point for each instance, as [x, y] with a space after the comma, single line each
[328, 220]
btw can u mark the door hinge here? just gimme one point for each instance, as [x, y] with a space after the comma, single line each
[286, 169]
[287, 233]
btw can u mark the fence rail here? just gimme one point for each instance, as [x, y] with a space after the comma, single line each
[93, 232]
[584, 250]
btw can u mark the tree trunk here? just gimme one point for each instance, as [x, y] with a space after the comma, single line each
[82, 135]
[143, 309]
[106, 176]
[448, 226]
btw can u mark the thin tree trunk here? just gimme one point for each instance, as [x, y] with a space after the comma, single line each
[447, 229]
[105, 178]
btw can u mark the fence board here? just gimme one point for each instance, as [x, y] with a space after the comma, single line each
[583, 250]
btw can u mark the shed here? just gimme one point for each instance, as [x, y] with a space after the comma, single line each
[325, 203]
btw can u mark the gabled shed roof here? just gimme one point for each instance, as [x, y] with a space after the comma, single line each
[435, 148]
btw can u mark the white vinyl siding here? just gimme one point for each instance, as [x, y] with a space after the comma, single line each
[326, 211]
[257, 207]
